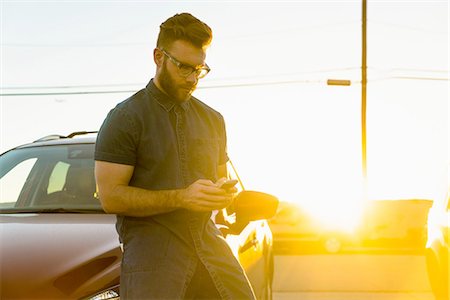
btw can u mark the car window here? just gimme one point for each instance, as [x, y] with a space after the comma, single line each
[50, 177]
[13, 182]
[58, 177]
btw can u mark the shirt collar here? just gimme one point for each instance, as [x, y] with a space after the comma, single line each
[163, 99]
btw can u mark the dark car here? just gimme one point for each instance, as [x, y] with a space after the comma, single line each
[438, 252]
[56, 241]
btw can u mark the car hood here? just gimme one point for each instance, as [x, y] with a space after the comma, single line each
[48, 256]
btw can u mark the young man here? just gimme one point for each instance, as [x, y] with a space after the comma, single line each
[159, 156]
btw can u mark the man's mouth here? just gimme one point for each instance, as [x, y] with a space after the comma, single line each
[188, 88]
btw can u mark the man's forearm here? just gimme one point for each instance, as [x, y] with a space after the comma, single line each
[137, 202]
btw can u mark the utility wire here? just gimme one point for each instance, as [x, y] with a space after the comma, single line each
[142, 43]
[231, 85]
[375, 22]
[291, 74]
[250, 35]
[133, 91]
[291, 31]
[321, 71]
[420, 78]
[65, 93]
[409, 70]
[70, 86]
[27, 45]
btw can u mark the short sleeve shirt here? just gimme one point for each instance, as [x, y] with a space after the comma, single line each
[170, 145]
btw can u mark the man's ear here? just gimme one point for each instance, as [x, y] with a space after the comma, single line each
[158, 57]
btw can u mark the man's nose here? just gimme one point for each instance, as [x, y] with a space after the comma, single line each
[192, 78]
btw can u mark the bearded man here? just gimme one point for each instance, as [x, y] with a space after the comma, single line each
[159, 156]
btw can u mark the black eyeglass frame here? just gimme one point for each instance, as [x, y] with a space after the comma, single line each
[200, 71]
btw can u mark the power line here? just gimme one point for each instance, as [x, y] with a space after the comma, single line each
[70, 86]
[139, 43]
[290, 31]
[409, 78]
[110, 34]
[71, 45]
[409, 70]
[320, 71]
[218, 86]
[232, 85]
[291, 74]
[407, 27]
[250, 35]
[421, 78]
[65, 93]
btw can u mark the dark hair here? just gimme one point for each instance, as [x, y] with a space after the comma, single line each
[184, 27]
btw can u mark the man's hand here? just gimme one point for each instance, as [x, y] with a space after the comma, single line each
[205, 195]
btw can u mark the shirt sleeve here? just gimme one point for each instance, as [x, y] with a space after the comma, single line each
[117, 138]
[223, 155]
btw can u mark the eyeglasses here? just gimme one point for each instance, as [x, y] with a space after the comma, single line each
[186, 70]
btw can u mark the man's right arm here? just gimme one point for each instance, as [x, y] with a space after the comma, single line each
[117, 197]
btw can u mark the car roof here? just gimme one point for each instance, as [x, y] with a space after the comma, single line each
[54, 139]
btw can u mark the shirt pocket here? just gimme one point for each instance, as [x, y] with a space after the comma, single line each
[205, 158]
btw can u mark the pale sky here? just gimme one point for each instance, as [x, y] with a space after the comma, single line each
[289, 133]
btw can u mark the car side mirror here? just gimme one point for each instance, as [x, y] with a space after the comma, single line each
[252, 206]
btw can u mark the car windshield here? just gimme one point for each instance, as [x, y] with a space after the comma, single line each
[57, 178]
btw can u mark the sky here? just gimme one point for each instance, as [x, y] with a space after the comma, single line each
[65, 64]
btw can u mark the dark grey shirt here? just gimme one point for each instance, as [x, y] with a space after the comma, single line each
[170, 145]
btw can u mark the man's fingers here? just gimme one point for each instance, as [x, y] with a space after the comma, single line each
[207, 186]
[220, 181]
[211, 202]
[205, 182]
[213, 190]
[204, 195]
[215, 199]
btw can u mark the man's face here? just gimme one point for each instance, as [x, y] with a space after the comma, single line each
[179, 87]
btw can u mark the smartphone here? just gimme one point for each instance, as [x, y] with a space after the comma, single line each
[228, 184]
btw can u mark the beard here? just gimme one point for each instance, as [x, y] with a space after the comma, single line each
[179, 92]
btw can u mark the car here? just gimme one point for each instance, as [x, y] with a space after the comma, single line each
[295, 231]
[57, 242]
[385, 226]
[438, 253]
